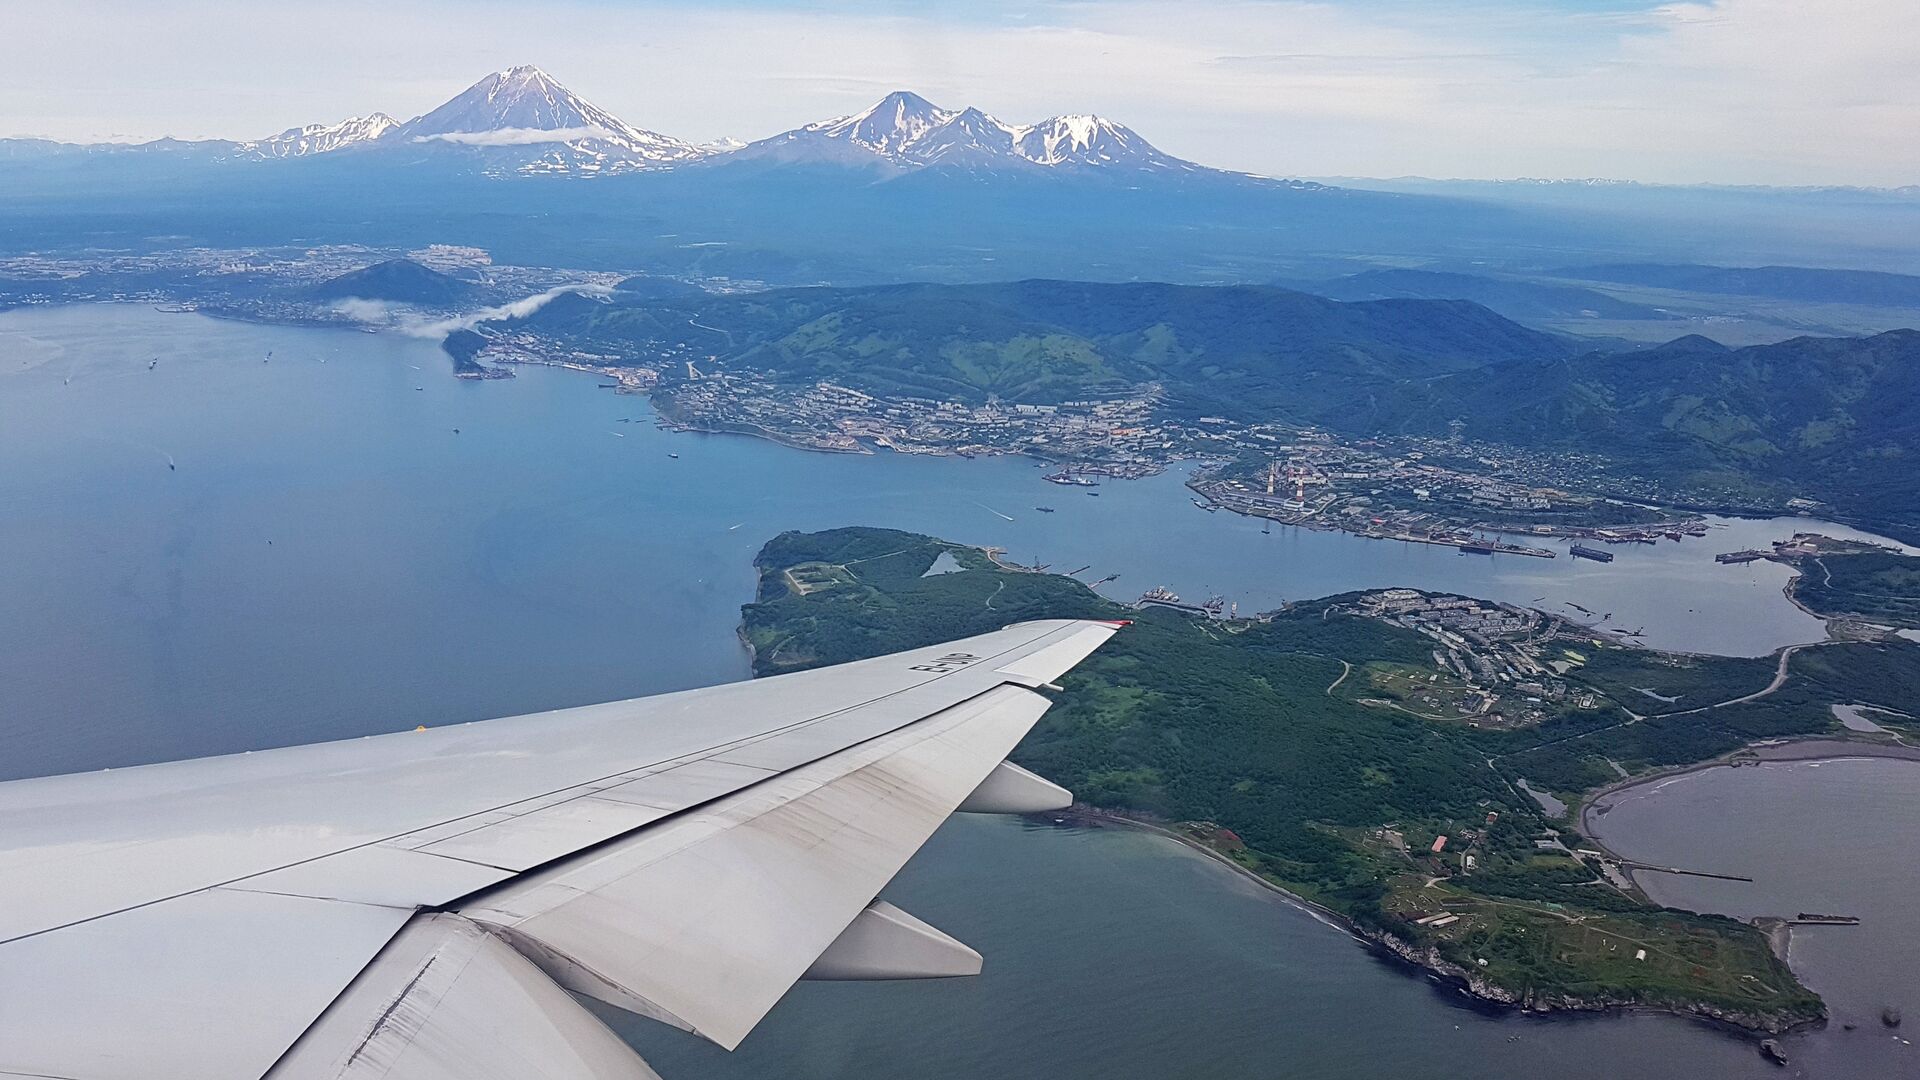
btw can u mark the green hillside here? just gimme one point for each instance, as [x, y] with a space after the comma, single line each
[401, 281]
[1832, 417]
[1247, 351]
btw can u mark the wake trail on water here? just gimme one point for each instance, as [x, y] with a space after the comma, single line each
[132, 444]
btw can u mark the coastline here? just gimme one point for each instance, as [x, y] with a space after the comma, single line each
[1428, 961]
[1812, 748]
[1777, 929]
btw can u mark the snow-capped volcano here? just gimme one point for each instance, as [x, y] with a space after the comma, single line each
[906, 131]
[890, 127]
[321, 138]
[521, 120]
[1091, 140]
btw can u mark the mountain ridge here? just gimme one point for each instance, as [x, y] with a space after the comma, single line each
[1232, 350]
[522, 121]
[906, 131]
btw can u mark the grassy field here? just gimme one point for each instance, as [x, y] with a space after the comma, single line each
[1421, 691]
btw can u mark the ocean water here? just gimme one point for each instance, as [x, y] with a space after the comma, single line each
[1830, 837]
[218, 536]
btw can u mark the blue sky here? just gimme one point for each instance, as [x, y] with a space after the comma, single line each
[1732, 91]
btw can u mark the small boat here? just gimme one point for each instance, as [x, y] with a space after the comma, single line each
[673, 455]
[1044, 509]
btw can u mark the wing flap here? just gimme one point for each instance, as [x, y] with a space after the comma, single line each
[706, 920]
[117, 839]
[449, 1001]
[213, 984]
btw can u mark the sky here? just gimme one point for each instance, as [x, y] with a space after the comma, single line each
[1719, 91]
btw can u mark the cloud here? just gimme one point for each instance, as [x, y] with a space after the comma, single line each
[516, 136]
[436, 329]
[360, 309]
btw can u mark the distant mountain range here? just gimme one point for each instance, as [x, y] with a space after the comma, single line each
[906, 131]
[1522, 301]
[1869, 287]
[522, 121]
[905, 190]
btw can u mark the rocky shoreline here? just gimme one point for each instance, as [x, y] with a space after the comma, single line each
[1479, 988]
[1428, 960]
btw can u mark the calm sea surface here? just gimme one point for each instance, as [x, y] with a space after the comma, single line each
[1831, 837]
[206, 548]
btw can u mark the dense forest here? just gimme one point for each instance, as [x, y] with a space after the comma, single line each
[1245, 350]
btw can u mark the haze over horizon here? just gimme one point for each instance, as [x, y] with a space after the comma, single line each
[1724, 91]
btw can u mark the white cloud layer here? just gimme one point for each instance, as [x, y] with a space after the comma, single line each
[412, 323]
[515, 136]
[1762, 91]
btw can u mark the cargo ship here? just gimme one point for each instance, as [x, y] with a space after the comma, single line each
[1582, 551]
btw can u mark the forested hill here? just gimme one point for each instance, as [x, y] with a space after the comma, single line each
[1255, 352]
[1519, 300]
[401, 281]
[1831, 417]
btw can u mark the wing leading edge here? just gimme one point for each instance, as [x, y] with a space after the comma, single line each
[688, 858]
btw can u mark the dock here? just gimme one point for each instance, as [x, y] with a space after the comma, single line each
[1684, 872]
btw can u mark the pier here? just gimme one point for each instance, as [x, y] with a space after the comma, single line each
[1629, 865]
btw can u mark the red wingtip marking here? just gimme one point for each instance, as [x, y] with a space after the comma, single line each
[1117, 623]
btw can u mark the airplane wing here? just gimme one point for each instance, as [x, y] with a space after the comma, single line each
[429, 905]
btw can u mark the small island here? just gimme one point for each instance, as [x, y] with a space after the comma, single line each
[1413, 765]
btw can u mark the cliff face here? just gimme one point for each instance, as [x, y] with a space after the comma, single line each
[1476, 983]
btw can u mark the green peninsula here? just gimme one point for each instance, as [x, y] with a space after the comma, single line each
[1296, 746]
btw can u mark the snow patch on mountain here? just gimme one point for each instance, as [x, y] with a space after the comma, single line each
[321, 138]
[521, 121]
[906, 131]
[524, 107]
[515, 136]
